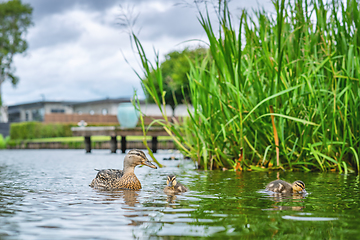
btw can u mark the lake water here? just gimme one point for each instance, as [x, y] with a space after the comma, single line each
[44, 194]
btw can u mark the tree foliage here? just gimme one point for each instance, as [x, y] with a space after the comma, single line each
[174, 71]
[15, 18]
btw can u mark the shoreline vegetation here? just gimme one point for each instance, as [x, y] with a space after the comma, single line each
[277, 90]
[98, 142]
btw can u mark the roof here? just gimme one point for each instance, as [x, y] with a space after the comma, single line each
[39, 103]
[69, 103]
[106, 100]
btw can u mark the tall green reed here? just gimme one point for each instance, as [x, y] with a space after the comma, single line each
[303, 62]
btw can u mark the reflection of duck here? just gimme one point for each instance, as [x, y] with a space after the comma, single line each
[112, 179]
[284, 208]
[173, 186]
[280, 186]
[130, 197]
[171, 197]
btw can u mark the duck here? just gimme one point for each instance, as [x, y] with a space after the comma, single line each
[115, 179]
[173, 186]
[280, 186]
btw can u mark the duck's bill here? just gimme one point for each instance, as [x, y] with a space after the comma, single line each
[303, 191]
[149, 164]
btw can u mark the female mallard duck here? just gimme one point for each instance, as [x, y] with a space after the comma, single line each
[173, 186]
[280, 186]
[113, 179]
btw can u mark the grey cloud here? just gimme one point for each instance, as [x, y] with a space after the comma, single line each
[176, 22]
[180, 21]
[43, 8]
[54, 35]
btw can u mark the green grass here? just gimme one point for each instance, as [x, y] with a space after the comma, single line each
[281, 87]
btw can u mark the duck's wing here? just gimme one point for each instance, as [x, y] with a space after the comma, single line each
[180, 188]
[105, 177]
[276, 186]
[109, 174]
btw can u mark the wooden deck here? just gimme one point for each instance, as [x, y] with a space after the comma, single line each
[113, 132]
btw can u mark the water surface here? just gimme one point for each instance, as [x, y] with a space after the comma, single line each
[44, 194]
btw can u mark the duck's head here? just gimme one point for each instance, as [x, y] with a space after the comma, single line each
[137, 157]
[299, 187]
[171, 181]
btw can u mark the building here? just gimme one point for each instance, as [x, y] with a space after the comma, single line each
[42, 110]
[36, 111]
[97, 111]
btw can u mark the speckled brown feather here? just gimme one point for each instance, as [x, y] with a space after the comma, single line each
[128, 181]
[105, 177]
[177, 188]
[114, 179]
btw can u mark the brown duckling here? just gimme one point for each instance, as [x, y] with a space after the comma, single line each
[280, 186]
[173, 186]
[113, 179]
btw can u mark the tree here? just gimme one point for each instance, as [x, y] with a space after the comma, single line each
[174, 74]
[15, 18]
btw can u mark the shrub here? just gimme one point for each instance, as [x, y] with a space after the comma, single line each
[31, 130]
[3, 141]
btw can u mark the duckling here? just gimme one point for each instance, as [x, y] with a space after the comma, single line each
[173, 186]
[114, 179]
[280, 186]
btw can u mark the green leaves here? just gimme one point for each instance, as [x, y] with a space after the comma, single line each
[15, 18]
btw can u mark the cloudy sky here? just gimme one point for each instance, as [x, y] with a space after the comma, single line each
[77, 48]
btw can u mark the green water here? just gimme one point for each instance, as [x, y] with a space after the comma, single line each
[233, 201]
[44, 194]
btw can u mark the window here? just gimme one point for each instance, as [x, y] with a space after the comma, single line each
[104, 111]
[27, 115]
[38, 114]
[57, 110]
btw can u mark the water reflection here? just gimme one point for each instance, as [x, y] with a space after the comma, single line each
[171, 198]
[130, 197]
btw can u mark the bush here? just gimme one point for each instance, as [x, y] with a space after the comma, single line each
[3, 142]
[31, 130]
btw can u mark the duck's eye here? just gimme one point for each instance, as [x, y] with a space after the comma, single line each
[300, 185]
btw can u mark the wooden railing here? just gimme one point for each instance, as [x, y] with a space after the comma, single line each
[75, 118]
[91, 119]
[113, 132]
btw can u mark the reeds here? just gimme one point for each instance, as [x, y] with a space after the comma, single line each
[303, 62]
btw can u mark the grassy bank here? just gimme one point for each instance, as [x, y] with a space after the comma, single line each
[279, 91]
[97, 142]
